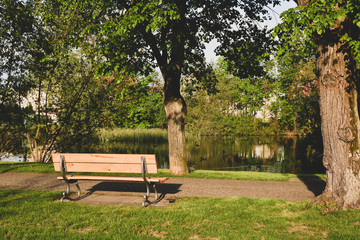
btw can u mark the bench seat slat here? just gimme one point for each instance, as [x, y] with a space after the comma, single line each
[104, 158]
[107, 167]
[96, 162]
[114, 178]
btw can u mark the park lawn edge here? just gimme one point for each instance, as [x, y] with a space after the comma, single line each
[207, 174]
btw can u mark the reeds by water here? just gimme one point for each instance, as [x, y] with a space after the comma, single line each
[133, 135]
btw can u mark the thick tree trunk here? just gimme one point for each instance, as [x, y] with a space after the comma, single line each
[175, 109]
[339, 124]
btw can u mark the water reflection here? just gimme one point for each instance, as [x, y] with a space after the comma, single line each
[265, 154]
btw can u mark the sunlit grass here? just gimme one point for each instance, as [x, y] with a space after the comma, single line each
[133, 135]
[34, 215]
[155, 135]
[241, 175]
[26, 167]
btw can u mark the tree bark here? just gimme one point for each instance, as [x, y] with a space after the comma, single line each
[171, 61]
[175, 109]
[174, 103]
[340, 125]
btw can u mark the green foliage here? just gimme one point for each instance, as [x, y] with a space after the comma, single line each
[318, 19]
[252, 94]
[79, 99]
[140, 104]
[231, 110]
[16, 35]
[297, 106]
[68, 102]
[130, 36]
[246, 53]
[202, 79]
[209, 115]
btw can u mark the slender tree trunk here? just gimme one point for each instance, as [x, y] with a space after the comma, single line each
[174, 103]
[175, 109]
[175, 112]
[339, 125]
[171, 63]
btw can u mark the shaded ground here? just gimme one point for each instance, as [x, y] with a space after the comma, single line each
[110, 193]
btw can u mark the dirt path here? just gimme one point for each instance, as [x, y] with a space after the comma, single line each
[175, 188]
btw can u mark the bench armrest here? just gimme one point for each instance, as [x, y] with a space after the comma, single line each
[63, 167]
[143, 168]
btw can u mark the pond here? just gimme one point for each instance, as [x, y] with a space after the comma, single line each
[263, 154]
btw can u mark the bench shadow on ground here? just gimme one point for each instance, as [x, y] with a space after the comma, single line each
[313, 183]
[124, 187]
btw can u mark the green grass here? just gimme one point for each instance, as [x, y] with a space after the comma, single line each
[26, 167]
[238, 175]
[34, 215]
[241, 175]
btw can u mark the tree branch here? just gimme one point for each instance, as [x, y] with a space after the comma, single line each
[151, 41]
[177, 52]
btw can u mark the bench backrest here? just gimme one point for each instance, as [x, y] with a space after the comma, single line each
[93, 162]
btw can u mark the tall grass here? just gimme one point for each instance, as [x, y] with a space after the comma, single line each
[155, 135]
[133, 135]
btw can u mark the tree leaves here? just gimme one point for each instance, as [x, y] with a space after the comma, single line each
[130, 35]
[320, 18]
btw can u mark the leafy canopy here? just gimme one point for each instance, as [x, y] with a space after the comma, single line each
[134, 36]
[320, 18]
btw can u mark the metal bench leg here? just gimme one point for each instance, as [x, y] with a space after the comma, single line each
[66, 194]
[78, 188]
[156, 192]
[146, 201]
[146, 197]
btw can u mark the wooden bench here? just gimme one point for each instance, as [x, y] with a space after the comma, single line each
[107, 163]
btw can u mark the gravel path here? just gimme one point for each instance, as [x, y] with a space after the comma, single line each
[175, 188]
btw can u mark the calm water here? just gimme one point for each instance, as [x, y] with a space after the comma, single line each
[265, 154]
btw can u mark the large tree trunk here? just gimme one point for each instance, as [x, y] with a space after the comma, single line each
[175, 108]
[339, 124]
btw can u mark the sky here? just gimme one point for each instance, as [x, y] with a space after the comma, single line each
[285, 5]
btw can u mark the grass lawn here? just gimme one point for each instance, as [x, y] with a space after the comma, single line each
[35, 215]
[235, 175]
